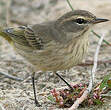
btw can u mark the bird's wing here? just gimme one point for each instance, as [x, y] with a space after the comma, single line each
[25, 36]
[35, 40]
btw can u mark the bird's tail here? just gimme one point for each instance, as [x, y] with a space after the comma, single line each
[4, 35]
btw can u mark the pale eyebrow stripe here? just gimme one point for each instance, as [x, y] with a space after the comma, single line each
[75, 17]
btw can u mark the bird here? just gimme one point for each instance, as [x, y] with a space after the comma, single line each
[54, 45]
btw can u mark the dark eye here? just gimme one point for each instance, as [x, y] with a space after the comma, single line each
[80, 21]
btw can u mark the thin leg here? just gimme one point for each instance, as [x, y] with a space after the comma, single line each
[64, 81]
[33, 84]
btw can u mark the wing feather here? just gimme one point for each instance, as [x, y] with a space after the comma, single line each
[24, 35]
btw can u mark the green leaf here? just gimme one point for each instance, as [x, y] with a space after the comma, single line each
[98, 102]
[104, 82]
[51, 98]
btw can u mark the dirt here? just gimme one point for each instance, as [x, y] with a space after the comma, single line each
[18, 95]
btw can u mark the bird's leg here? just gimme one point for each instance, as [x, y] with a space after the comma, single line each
[64, 81]
[33, 84]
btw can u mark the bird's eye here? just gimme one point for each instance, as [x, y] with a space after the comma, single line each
[80, 21]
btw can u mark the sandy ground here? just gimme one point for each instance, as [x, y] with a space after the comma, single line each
[15, 95]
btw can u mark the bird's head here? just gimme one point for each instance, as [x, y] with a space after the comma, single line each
[78, 21]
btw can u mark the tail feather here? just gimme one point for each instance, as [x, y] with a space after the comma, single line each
[4, 35]
[15, 35]
[8, 31]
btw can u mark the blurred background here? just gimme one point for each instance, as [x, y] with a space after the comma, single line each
[16, 95]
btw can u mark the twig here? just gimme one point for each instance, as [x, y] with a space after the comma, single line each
[90, 62]
[11, 77]
[8, 12]
[70, 5]
[89, 89]
[1, 107]
[100, 37]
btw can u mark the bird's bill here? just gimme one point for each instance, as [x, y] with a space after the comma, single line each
[99, 20]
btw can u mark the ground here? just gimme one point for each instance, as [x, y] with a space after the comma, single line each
[16, 95]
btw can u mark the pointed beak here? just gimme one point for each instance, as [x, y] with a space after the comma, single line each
[100, 20]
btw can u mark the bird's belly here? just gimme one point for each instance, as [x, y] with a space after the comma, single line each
[63, 59]
[55, 60]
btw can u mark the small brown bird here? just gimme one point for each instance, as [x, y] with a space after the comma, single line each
[55, 45]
